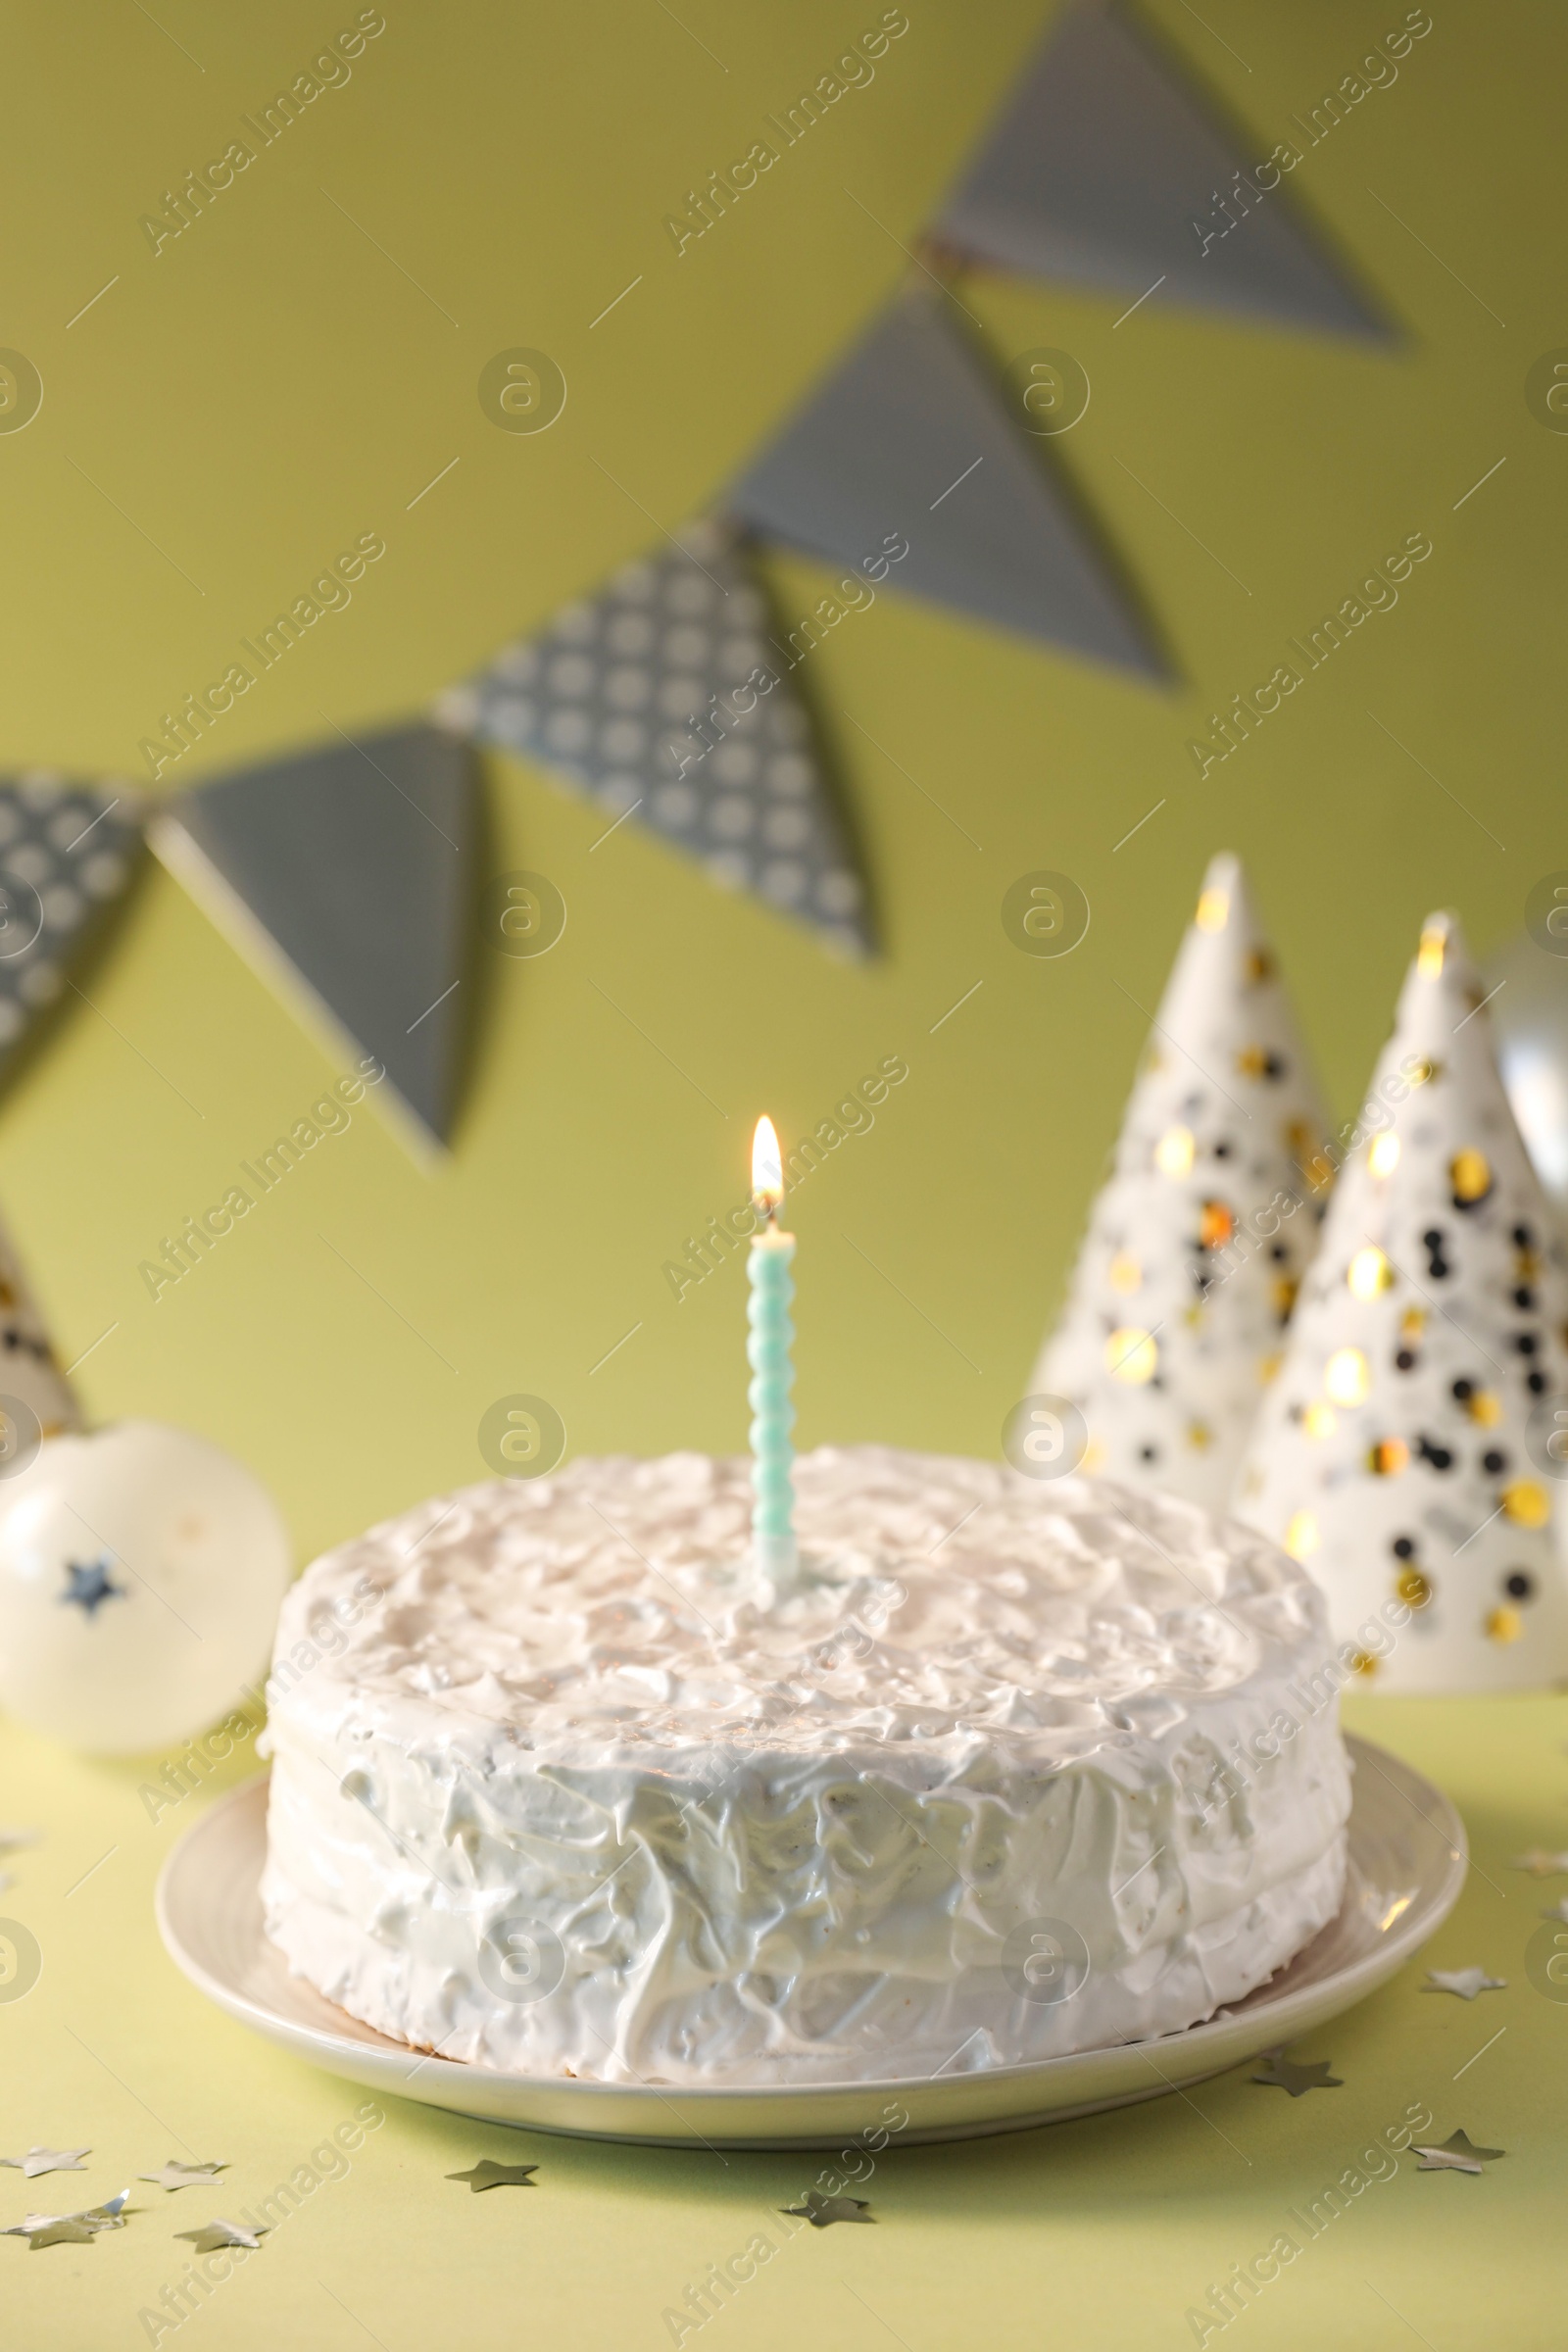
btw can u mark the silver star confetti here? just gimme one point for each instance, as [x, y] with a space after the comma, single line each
[821, 2212]
[213, 2235]
[47, 2160]
[70, 2228]
[1284, 2073]
[1465, 1982]
[490, 2175]
[66, 2232]
[1457, 2154]
[1541, 1865]
[185, 2176]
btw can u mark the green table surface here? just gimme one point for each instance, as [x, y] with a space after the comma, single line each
[1105, 2233]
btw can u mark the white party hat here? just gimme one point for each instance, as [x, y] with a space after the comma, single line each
[1408, 1454]
[1196, 1245]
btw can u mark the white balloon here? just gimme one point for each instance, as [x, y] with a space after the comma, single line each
[141, 1570]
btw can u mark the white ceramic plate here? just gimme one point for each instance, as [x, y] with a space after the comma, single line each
[1408, 1864]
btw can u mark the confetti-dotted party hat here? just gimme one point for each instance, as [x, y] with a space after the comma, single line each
[34, 1400]
[1408, 1452]
[1183, 1287]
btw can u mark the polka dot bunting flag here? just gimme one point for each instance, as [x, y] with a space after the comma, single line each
[66, 851]
[1187, 1276]
[666, 699]
[1408, 1452]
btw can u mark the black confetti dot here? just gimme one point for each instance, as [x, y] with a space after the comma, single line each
[1279, 1254]
[1437, 1456]
[1148, 1454]
[1527, 1343]
[1494, 1462]
[1222, 1151]
[1404, 1361]
[1437, 1268]
[1521, 1237]
[1518, 1585]
[1537, 1384]
[1464, 1390]
[1404, 1548]
[1525, 1300]
[1432, 1238]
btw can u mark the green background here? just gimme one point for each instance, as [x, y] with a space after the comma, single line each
[235, 408]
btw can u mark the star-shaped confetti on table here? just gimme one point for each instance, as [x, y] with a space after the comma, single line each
[1284, 2073]
[490, 2175]
[1457, 2154]
[90, 1586]
[1465, 1982]
[213, 2235]
[70, 2228]
[1541, 1865]
[185, 2176]
[821, 2212]
[64, 2232]
[47, 2160]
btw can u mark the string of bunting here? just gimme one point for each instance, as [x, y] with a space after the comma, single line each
[677, 698]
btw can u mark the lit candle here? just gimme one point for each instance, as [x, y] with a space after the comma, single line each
[767, 1351]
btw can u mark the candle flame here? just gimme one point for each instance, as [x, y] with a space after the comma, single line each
[767, 1168]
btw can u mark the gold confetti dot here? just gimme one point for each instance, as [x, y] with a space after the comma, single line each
[1384, 1156]
[1485, 1407]
[1505, 1625]
[1429, 955]
[1213, 910]
[1470, 1174]
[1365, 1664]
[1173, 1154]
[1525, 1503]
[1413, 1587]
[1200, 1436]
[1259, 965]
[1125, 1271]
[1346, 1377]
[1301, 1538]
[1389, 1457]
[1216, 1225]
[1131, 1356]
[1320, 1420]
[1368, 1273]
[1268, 1366]
[1423, 1072]
[1093, 1456]
[1412, 1323]
[1285, 1288]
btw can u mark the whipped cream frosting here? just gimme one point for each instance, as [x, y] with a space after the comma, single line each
[1017, 1768]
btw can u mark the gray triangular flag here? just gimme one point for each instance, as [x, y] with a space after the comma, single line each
[344, 876]
[1105, 166]
[667, 698]
[908, 437]
[66, 849]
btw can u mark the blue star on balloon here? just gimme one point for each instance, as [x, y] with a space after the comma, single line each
[91, 1586]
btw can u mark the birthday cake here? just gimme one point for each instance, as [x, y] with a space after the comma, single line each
[1011, 1769]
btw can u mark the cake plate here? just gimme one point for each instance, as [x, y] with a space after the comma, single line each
[1407, 1862]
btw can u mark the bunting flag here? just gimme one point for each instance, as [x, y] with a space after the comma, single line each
[909, 440]
[1105, 168]
[66, 853]
[345, 876]
[670, 697]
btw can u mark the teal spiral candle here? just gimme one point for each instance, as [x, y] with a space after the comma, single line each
[767, 1351]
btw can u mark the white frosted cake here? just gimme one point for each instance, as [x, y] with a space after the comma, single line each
[1018, 1770]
